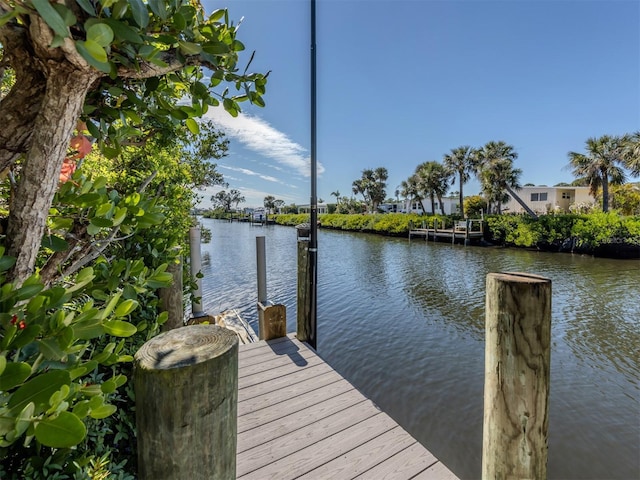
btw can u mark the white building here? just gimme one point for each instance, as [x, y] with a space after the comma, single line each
[548, 199]
[322, 208]
[451, 206]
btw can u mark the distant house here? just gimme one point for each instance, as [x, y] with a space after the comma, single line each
[322, 208]
[394, 207]
[548, 199]
[451, 206]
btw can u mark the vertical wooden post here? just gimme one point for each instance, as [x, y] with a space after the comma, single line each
[186, 386]
[272, 319]
[171, 297]
[261, 269]
[516, 389]
[305, 331]
[196, 267]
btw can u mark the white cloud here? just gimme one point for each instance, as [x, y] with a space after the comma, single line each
[262, 138]
[246, 171]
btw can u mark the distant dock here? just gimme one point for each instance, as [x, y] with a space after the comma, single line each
[464, 231]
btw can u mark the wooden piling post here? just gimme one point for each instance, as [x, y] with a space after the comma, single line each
[516, 389]
[305, 330]
[171, 297]
[261, 269]
[272, 321]
[186, 386]
[196, 267]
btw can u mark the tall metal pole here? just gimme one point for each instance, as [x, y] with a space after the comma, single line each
[313, 237]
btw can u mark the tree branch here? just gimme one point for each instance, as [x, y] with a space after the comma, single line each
[83, 255]
[170, 58]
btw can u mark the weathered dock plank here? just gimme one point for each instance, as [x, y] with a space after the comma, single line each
[298, 418]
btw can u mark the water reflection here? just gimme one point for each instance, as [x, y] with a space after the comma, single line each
[404, 322]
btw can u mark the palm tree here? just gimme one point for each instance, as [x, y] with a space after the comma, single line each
[269, 203]
[372, 186]
[632, 153]
[602, 164]
[461, 163]
[494, 169]
[337, 195]
[498, 179]
[410, 190]
[433, 180]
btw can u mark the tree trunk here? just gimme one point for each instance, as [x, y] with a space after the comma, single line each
[19, 109]
[519, 200]
[461, 198]
[605, 192]
[66, 89]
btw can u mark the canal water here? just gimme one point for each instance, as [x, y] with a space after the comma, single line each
[404, 322]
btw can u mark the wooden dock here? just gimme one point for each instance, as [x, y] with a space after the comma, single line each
[298, 418]
[465, 231]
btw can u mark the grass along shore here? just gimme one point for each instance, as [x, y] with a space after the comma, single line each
[600, 234]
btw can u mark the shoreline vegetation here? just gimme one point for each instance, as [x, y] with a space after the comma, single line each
[607, 235]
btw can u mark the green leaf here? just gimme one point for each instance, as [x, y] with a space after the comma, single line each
[102, 411]
[119, 9]
[51, 17]
[23, 420]
[84, 51]
[103, 209]
[55, 243]
[87, 6]
[122, 31]
[88, 329]
[216, 48]
[108, 387]
[111, 304]
[6, 263]
[67, 15]
[178, 114]
[159, 8]
[189, 48]
[193, 126]
[101, 34]
[96, 50]
[179, 22]
[3, 365]
[140, 13]
[26, 336]
[101, 222]
[237, 46]
[64, 431]
[50, 349]
[38, 390]
[118, 328]
[230, 106]
[29, 291]
[125, 308]
[14, 374]
[217, 15]
[61, 223]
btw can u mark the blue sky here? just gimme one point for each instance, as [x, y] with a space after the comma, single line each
[404, 82]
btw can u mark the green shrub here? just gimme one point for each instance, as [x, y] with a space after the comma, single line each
[601, 228]
[551, 231]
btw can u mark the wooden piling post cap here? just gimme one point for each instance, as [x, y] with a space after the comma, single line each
[185, 347]
[518, 277]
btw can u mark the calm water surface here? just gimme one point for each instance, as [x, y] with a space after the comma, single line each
[404, 322]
